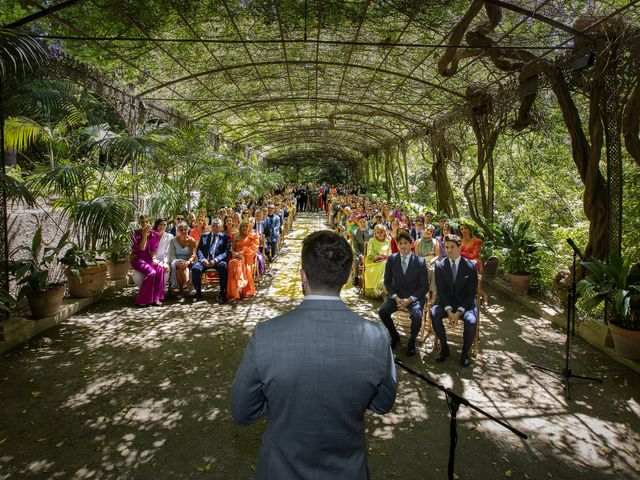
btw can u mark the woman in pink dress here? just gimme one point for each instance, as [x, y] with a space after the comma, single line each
[143, 252]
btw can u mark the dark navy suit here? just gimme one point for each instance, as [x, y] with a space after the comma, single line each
[210, 249]
[414, 283]
[459, 295]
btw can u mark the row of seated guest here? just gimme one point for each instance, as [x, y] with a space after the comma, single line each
[158, 257]
[345, 213]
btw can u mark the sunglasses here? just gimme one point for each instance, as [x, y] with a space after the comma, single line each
[179, 219]
[183, 229]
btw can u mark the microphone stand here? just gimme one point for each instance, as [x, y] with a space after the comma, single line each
[453, 402]
[566, 372]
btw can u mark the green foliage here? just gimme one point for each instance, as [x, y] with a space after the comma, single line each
[76, 259]
[18, 54]
[32, 272]
[616, 282]
[7, 302]
[519, 247]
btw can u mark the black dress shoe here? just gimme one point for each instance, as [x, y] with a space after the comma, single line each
[442, 355]
[222, 299]
[395, 342]
[465, 361]
[197, 297]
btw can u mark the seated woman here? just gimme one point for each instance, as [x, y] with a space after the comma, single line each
[228, 227]
[185, 248]
[393, 233]
[429, 248]
[470, 249]
[240, 267]
[201, 228]
[378, 249]
[446, 229]
[164, 254]
[143, 259]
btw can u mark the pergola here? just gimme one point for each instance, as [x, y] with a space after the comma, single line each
[305, 81]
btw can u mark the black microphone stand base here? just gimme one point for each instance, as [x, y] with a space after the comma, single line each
[566, 375]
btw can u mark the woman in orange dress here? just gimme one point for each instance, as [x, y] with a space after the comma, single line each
[470, 249]
[240, 267]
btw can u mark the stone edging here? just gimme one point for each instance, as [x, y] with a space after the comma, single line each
[18, 330]
[594, 333]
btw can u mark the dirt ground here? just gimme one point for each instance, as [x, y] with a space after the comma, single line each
[123, 393]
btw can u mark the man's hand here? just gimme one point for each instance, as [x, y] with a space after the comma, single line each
[454, 318]
[205, 262]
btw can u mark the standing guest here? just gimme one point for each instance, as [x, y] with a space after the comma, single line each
[378, 250]
[407, 283]
[240, 276]
[143, 259]
[315, 398]
[177, 220]
[212, 252]
[185, 248]
[271, 232]
[313, 199]
[456, 285]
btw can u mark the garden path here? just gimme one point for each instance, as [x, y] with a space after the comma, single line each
[123, 393]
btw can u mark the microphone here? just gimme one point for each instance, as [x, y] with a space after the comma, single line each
[576, 249]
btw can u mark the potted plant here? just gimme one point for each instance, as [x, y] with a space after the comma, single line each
[491, 262]
[32, 275]
[618, 283]
[117, 252]
[85, 272]
[519, 253]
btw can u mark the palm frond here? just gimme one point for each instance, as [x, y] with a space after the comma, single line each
[16, 189]
[101, 218]
[66, 179]
[18, 54]
[21, 132]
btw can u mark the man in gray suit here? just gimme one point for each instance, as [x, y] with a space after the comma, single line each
[314, 371]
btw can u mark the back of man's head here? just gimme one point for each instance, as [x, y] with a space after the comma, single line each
[327, 259]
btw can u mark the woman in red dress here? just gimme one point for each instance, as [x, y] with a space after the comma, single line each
[470, 249]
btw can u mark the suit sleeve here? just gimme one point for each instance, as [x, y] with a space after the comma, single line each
[222, 256]
[422, 285]
[388, 276]
[248, 402]
[469, 300]
[201, 257]
[384, 399]
[441, 290]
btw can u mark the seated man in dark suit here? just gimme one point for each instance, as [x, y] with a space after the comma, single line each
[456, 288]
[213, 250]
[315, 398]
[406, 281]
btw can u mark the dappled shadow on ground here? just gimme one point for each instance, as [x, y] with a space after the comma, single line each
[117, 392]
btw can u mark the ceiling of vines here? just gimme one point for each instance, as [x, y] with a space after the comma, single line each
[303, 79]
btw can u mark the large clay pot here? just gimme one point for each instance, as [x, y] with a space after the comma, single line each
[519, 283]
[626, 342]
[490, 269]
[118, 270]
[44, 304]
[90, 282]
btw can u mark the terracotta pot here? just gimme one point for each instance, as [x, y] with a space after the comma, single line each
[627, 342]
[118, 270]
[44, 304]
[490, 269]
[90, 282]
[519, 283]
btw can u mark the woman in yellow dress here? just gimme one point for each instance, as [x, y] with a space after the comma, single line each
[378, 249]
[240, 267]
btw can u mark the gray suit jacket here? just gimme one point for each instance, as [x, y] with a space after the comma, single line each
[314, 371]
